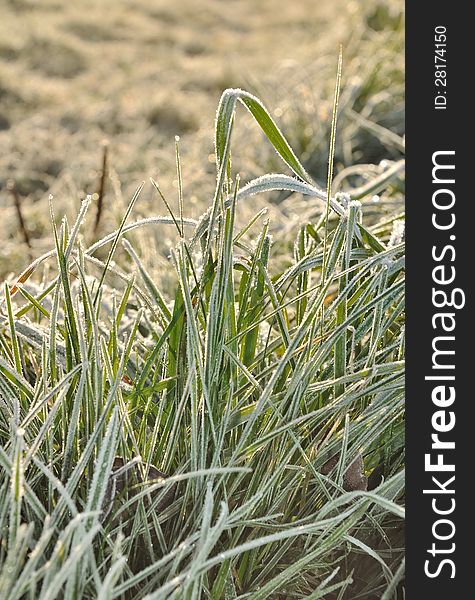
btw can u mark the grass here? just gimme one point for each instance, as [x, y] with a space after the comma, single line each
[207, 403]
[198, 442]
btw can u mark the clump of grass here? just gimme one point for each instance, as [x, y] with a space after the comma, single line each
[239, 388]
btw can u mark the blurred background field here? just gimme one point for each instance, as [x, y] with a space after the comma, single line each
[139, 72]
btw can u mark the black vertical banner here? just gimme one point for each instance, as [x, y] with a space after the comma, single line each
[440, 434]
